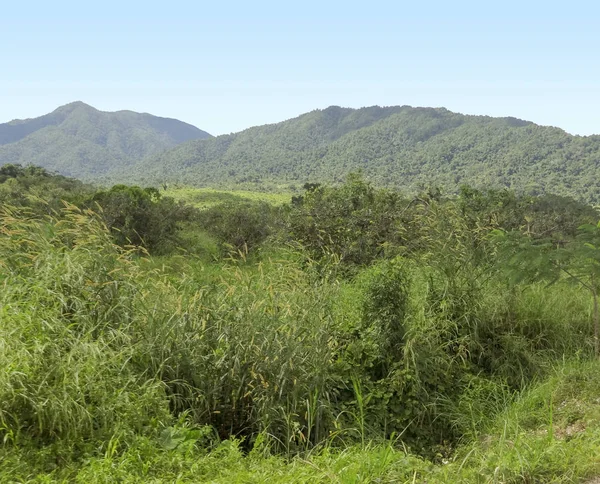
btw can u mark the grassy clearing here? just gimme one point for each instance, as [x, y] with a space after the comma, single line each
[209, 197]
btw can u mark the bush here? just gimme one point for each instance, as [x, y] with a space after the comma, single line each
[141, 217]
[354, 222]
[239, 226]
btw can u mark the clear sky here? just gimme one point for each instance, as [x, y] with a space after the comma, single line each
[226, 66]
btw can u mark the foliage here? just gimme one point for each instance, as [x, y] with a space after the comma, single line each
[397, 147]
[141, 217]
[208, 197]
[78, 140]
[135, 216]
[239, 227]
[399, 350]
[354, 222]
[576, 261]
[385, 306]
[66, 381]
[35, 187]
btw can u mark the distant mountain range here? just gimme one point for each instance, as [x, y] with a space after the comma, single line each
[80, 141]
[399, 146]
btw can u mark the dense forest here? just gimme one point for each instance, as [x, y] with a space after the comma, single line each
[354, 333]
[396, 147]
[78, 140]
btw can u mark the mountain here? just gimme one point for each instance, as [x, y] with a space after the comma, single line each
[80, 141]
[401, 147]
[397, 146]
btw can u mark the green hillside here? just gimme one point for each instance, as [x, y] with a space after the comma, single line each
[348, 336]
[78, 140]
[396, 147]
[401, 147]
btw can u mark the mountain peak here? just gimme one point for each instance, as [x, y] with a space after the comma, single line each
[72, 106]
[92, 142]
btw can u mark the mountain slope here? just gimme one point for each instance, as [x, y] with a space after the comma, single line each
[401, 147]
[78, 140]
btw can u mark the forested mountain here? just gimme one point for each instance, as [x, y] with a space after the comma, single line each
[397, 147]
[78, 140]
[401, 147]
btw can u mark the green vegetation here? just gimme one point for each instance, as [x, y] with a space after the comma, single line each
[397, 147]
[350, 335]
[209, 197]
[134, 216]
[78, 140]
[34, 186]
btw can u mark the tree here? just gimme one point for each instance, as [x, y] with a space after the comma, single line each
[239, 227]
[355, 222]
[575, 261]
[141, 216]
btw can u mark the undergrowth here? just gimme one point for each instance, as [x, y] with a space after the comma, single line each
[120, 368]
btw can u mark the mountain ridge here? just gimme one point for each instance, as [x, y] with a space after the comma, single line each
[79, 140]
[398, 146]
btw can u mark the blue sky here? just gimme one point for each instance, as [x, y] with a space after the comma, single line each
[231, 65]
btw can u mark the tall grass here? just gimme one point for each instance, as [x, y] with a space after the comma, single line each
[66, 349]
[94, 345]
[108, 360]
[251, 353]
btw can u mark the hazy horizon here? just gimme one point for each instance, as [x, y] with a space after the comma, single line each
[227, 68]
[278, 121]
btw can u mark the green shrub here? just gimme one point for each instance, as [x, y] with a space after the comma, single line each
[239, 226]
[141, 217]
